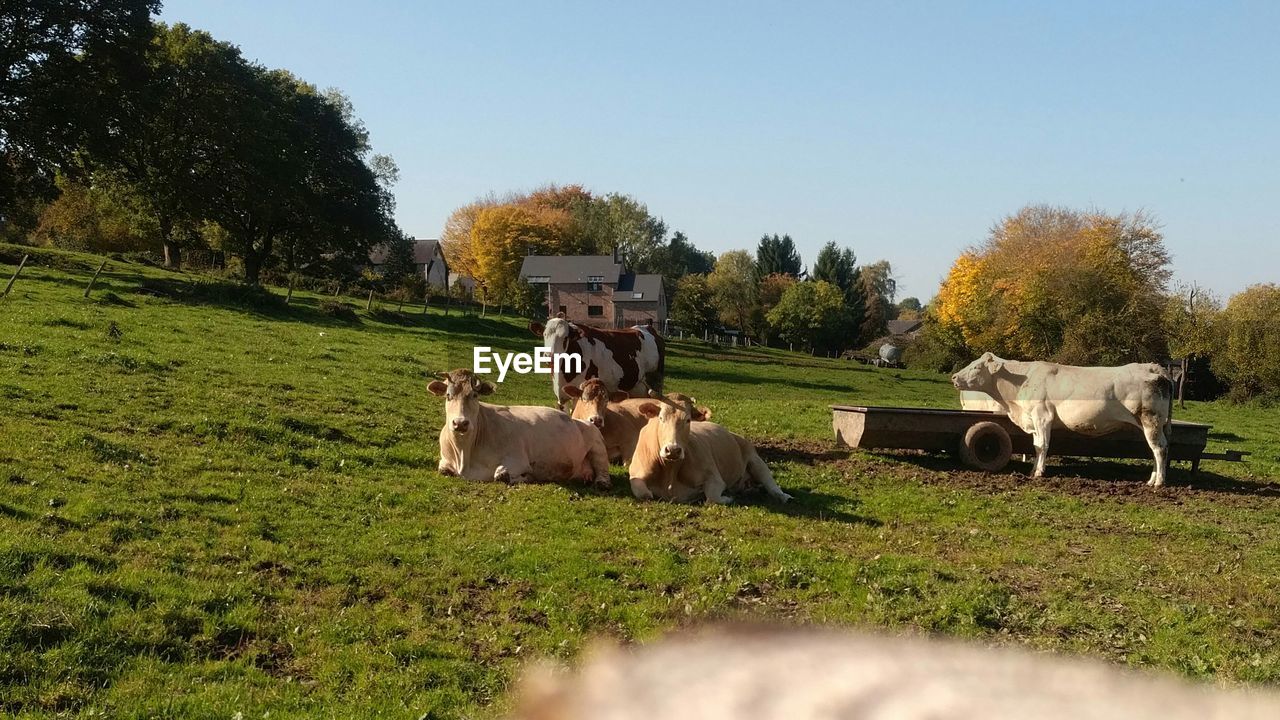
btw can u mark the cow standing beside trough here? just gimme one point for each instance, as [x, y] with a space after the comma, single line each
[1041, 396]
[679, 456]
[513, 443]
[631, 360]
[616, 414]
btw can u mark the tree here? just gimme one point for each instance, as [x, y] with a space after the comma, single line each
[1082, 288]
[777, 255]
[90, 218]
[502, 235]
[62, 68]
[909, 308]
[1248, 357]
[733, 284]
[693, 307]
[679, 257]
[840, 268]
[810, 314]
[529, 300]
[179, 122]
[621, 222]
[399, 262]
[1191, 317]
[297, 178]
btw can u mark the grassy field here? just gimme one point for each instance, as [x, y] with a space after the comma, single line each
[211, 503]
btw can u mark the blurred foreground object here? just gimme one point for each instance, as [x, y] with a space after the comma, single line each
[812, 674]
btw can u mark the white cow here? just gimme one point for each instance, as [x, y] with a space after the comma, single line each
[1040, 396]
[513, 443]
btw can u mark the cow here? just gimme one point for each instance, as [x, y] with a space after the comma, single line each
[632, 360]
[975, 400]
[1092, 401]
[680, 455]
[765, 672]
[513, 443]
[617, 414]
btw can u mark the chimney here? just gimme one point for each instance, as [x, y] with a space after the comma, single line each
[615, 253]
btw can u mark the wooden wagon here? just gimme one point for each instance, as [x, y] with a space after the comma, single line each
[987, 440]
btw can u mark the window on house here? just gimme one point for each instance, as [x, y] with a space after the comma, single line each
[535, 279]
[595, 283]
[595, 310]
[564, 308]
[637, 296]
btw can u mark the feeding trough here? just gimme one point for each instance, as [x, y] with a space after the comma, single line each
[987, 440]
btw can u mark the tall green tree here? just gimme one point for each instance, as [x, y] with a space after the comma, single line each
[693, 307]
[810, 314]
[298, 178]
[840, 268]
[733, 283]
[777, 255]
[622, 222]
[399, 262]
[63, 66]
[179, 124]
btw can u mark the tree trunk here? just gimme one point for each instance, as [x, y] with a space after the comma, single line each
[172, 254]
[252, 267]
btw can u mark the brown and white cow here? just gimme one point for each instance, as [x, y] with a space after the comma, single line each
[680, 456]
[1041, 396]
[631, 360]
[513, 443]
[617, 415]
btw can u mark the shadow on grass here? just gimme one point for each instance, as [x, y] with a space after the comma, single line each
[1225, 436]
[1087, 477]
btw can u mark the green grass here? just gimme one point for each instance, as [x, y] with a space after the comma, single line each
[211, 503]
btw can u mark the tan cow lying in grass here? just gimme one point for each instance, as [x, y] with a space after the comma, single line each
[513, 443]
[816, 674]
[680, 456]
[1041, 396]
[617, 414]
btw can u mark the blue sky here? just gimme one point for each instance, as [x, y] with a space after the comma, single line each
[901, 129]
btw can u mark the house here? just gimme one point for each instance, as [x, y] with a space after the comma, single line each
[910, 328]
[428, 258]
[597, 290]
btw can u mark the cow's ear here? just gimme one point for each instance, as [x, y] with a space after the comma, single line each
[560, 314]
[536, 328]
[650, 410]
[437, 388]
[574, 332]
[618, 396]
[572, 391]
[485, 388]
[702, 413]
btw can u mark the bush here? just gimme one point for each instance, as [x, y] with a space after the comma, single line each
[339, 310]
[1248, 356]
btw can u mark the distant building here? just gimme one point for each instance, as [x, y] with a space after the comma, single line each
[597, 290]
[428, 258]
[910, 328]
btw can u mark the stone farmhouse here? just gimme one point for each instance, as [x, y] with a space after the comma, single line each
[597, 290]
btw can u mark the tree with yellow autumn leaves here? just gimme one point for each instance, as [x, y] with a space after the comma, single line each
[1049, 283]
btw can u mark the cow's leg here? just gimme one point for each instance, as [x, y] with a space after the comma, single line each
[1040, 431]
[761, 474]
[597, 457]
[1153, 428]
[714, 488]
[514, 469]
[640, 489]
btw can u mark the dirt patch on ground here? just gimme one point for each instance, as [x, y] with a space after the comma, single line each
[1102, 479]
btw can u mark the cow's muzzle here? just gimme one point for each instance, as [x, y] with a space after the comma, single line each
[461, 425]
[672, 452]
[598, 421]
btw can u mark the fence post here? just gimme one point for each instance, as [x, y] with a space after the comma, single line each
[14, 279]
[369, 305]
[293, 277]
[95, 277]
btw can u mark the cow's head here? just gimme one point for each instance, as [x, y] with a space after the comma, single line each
[461, 391]
[556, 332]
[593, 400]
[673, 413]
[979, 374]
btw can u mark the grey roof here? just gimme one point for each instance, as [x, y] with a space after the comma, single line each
[902, 327]
[571, 268]
[650, 285]
[424, 251]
